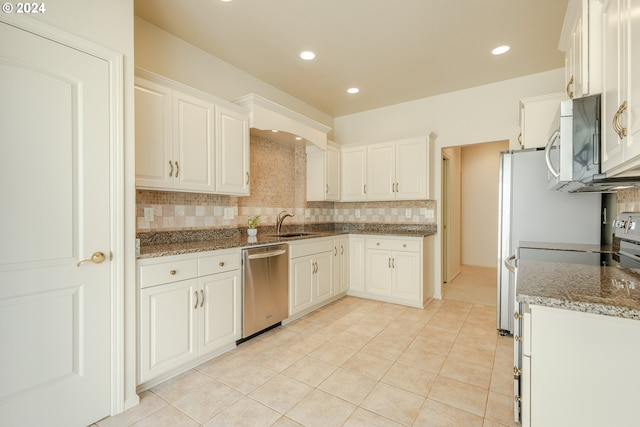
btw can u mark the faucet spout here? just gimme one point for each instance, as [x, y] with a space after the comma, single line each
[281, 219]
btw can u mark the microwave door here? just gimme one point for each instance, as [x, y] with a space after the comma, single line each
[552, 157]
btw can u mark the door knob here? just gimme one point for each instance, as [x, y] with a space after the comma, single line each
[96, 258]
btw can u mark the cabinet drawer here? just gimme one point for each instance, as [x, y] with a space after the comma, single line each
[174, 271]
[393, 244]
[314, 246]
[218, 263]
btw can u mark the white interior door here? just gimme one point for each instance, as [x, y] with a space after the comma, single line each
[55, 322]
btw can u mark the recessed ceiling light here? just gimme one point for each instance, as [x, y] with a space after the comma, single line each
[274, 130]
[226, 1]
[353, 90]
[307, 55]
[298, 138]
[500, 50]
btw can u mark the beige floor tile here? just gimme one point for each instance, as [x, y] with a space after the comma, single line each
[362, 417]
[223, 364]
[248, 379]
[169, 416]
[207, 401]
[409, 378]
[422, 315]
[502, 381]
[286, 422]
[387, 347]
[320, 409]
[459, 394]
[351, 339]
[367, 328]
[431, 331]
[245, 412]
[306, 345]
[472, 354]
[436, 414]
[281, 393]
[310, 371]
[328, 332]
[332, 353]
[499, 408]
[181, 385]
[276, 358]
[149, 403]
[348, 385]
[466, 372]
[395, 403]
[368, 364]
[419, 355]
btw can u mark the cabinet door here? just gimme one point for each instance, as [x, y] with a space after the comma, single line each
[378, 279]
[301, 271]
[631, 116]
[343, 253]
[381, 172]
[411, 169]
[232, 152]
[323, 277]
[612, 32]
[316, 187]
[356, 263]
[219, 310]
[332, 173]
[405, 275]
[354, 174]
[167, 327]
[193, 138]
[153, 135]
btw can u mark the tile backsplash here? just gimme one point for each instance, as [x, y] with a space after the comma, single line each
[278, 183]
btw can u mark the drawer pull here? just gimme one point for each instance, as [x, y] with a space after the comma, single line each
[173, 272]
[404, 245]
[196, 294]
[202, 295]
[221, 264]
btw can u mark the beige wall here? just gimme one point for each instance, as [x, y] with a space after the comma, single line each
[480, 188]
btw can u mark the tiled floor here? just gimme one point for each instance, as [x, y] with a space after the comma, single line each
[473, 284]
[354, 362]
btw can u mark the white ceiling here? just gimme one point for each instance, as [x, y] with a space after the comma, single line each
[393, 50]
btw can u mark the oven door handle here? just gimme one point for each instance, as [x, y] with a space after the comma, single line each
[507, 264]
[267, 254]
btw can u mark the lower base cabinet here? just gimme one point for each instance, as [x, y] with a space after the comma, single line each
[310, 274]
[581, 370]
[397, 269]
[187, 320]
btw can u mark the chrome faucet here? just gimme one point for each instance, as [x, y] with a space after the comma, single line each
[281, 219]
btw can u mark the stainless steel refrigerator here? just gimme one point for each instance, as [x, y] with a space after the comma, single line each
[529, 211]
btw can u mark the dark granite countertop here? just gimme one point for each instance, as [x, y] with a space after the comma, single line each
[156, 244]
[611, 291]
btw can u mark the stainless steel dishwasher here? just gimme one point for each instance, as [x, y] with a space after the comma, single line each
[265, 279]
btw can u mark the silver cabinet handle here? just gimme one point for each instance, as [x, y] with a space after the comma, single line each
[177, 168]
[327, 190]
[202, 295]
[341, 250]
[267, 254]
[507, 264]
[365, 189]
[196, 294]
[335, 251]
[171, 168]
[397, 187]
[247, 178]
[389, 262]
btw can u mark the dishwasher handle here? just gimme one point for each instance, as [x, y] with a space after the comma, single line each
[267, 254]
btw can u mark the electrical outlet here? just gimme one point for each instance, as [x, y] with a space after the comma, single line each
[407, 213]
[148, 214]
[429, 214]
[228, 213]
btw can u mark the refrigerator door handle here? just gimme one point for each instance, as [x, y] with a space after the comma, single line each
[547, 152]
[507, 264]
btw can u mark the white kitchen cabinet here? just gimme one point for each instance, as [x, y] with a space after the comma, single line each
[398, 170]
[323, 173]
[581, 369]
[538, 117]
[187, 140]
[189, 310]
[580, 40]
[174, 139]
[621, 88]
[340, 265]
[397, 269]
[354, 173]
[310, 274]
[232, 152]
[356, 263]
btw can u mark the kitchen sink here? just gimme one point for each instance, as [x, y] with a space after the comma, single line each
[294, 234]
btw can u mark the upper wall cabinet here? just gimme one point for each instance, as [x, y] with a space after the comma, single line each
[537, 117]
[580, 40]
[386, 171]
[323, 173]
[621, 88]
[188, 141]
